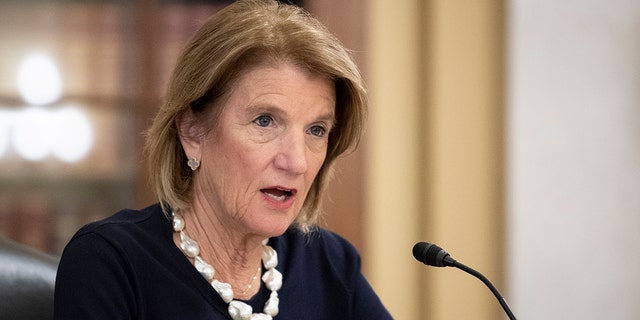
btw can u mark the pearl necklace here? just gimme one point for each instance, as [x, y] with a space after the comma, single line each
[238, 310]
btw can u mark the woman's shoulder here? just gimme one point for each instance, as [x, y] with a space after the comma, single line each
[318, 246]
[127, 223]
[317, 238]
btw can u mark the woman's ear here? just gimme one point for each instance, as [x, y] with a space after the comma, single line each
[190, 134]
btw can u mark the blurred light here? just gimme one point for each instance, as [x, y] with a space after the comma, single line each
[73, 134]
[32, 136]
[36, 133]
[39, 81]
[6, 118]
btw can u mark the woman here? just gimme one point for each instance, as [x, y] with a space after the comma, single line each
[261, 103]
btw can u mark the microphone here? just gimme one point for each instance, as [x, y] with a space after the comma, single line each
[432, 255]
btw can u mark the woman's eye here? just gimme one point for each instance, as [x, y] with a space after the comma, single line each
[317, 131]
[263, 120]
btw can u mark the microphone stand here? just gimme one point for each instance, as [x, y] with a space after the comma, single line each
[488, 283]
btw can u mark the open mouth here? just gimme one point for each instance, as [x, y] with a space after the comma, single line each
[278, 194]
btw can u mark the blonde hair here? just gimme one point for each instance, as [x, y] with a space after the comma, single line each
[241, 35]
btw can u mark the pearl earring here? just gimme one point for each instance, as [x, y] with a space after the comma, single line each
[193, 164]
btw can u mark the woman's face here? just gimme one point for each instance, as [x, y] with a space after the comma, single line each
[268, 144]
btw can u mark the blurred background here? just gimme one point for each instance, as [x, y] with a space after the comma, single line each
[507, 132]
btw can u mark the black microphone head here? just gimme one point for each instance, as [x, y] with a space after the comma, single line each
[431, 254]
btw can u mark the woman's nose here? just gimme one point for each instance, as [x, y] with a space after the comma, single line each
[292, 154]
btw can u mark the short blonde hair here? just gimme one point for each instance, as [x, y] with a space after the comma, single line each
[241, 35]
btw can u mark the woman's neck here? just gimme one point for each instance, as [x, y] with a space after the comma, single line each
[235, 256]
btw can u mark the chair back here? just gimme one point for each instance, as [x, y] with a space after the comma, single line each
[27, 279]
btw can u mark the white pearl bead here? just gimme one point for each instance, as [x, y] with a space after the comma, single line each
[205, 269]
[189, 246]
[239, 310]
[272, 278]
[223, 289]
[271, 306]
[269, 257]
[178, 222]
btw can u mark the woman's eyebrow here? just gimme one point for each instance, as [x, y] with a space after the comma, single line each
[264, 108]
[277, 111]
[327, 117]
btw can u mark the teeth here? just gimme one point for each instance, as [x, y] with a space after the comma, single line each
[279, 198]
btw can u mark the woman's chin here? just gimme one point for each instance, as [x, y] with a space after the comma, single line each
[269, 228]
[273, 230]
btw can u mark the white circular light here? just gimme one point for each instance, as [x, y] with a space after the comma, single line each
[73, 134]
[39, 81]
[32, 137]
